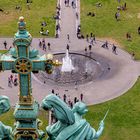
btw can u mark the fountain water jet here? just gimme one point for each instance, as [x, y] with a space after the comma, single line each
[67, 63]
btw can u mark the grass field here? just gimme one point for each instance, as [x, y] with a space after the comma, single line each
[40, 10]
[122, 122]
[3, 51]
[104, 25]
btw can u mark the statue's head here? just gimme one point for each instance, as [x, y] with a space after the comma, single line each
[4, 104]
[60, 109]
[80, 108]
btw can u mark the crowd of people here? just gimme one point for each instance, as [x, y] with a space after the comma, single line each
[73, 3]
[12, 80]
[42, 44]
[91, 39]
[79, 34]
[68, 99]
[58, 17]
[120, 8]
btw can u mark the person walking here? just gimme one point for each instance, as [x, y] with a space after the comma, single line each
[9, 82]
[68, 38]
[94, 38]
[75, 100]
[49, 46]
[65, 98]
[40, 43]
[65, 2]
[90, 47]
[133, 55]
[15, 81]
[68, 47]
[114, 49]
[43, 44]
[87, 38]
[85, 50]
[76, 85]
[81, 97]
[106, 45]
[5, 44]
[52, 91]
[11, 78]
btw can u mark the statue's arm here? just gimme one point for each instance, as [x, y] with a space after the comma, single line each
[100, 130]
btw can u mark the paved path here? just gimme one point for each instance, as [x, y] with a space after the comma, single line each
[122, 76]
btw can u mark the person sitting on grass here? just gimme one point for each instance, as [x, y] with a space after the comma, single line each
[1, 10]
[124, 6]
[117, 16]
[41, 31]
[43, 23]
[18, 7]
[89, 14]
[28, 2]
[139, 30]
[92, 14]
[128, 36]
[98, 4]
[47, 32]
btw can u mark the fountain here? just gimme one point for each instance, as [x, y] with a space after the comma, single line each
[77, 68]
[67, 63]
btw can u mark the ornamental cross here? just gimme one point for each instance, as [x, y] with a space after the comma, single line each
[23, 61]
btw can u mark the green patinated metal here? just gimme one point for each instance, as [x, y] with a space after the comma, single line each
[22, 60]
[5, 131]
[70, 123]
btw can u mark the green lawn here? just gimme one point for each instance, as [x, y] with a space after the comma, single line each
[3, 51]
[41, 10]
[105, 25]
[123, 120]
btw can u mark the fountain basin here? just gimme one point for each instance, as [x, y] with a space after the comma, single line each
[86, 69]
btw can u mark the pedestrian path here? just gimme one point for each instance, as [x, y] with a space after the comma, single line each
[123, 74]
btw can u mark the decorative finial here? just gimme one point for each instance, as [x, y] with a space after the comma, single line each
[49, 56]
[21, 23]
[21, 18]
